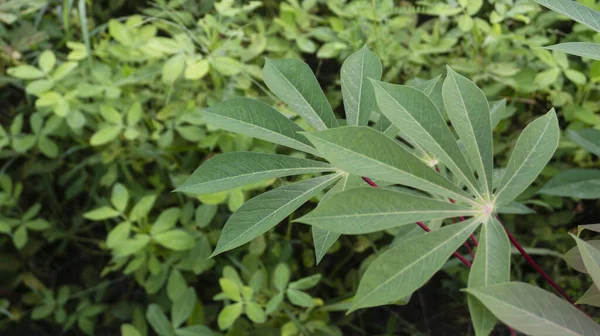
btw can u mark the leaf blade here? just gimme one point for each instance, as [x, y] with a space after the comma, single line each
[357, 92]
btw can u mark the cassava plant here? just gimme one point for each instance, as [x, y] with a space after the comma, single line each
[409, 167]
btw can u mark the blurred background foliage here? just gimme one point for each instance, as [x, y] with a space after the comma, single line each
[101, 117]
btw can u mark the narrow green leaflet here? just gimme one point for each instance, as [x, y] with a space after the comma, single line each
[324, 239]
[357, 92]
[588, 138]
[583, 49]
[368, 209]
[236, 169]
[577, 183]
[263, 212]
[533, 311]
[366, 152]
[515, 208]
[491, 266]
[533, 150]
[405, 267]
[497, 111]
[575, 11]
[574, 259]
[591, 259]
[417, 116]
[259, 120]
[294, 82]
[590, 297]
[469, 112]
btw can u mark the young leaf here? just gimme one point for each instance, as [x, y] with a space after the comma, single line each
[142, 207]
[575, 11]
[177, 240]
[119, 197]
[533, 311]
[533, 150]
[261, 213]
[236, 169]
[357, 92]
[418, 117]
[353, 150]
[299, 298]
[491, 266]
[591, 258]
[576, 183]
[101, 213]
[583, 49]
[158, 320]
[228, 315]
[183, 307]
[588, 138]
[254, 312]
[259, 120]
[166, 220]
[324, 239]
[294, 82]
[405, 267]
[469, 112]
[367, 209]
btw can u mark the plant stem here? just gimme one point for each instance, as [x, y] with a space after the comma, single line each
[422, 225]
[535, 266]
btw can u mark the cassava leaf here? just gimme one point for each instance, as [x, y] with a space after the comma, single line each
[261, 213]
[294, 82]
[577, 183]
[591, 258]
[588, 138]
[583, 49]
[256, 119]
[231, 170]
[366, 152]
[367, 209]
[533, 311]
[357, 92]
[533, 150]
[469, 112]
[575, 11]
[405, 267]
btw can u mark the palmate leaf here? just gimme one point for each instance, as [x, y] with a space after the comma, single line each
[491, 266]
[533, 311]
[263, 212]
[469, 112]
[324, 239]
[256, 119]
[294, 82]
[236, 169]
[418, 117]
[405, 267]
[575, 11]
[357, 92]
[367, 209]
[366, 152]
[533, 150]
[577, 183]
[588, 138]
[583, 49]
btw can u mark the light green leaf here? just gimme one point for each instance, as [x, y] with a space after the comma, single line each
[129, 330]
[533, 311]
[64, 70]
[158, 320]
[497, 112]
[306, 283]
[48, 147]
[20, 237]
[391, 277]
[591, 296]
[533, 150]
[119, 197]
[23, 143]
[195, 330]
[142, 207]
[469, 112]
[132, 246]
[417, 116]
[591, 258]
[47, 61]
[351, 149]
[261, 213]
[299, 298]
[576, 76]
[281, 276]
[294, 82]
[231, 289]
[25, 72]
[101, 213]
[177, 240]
[256, 119]
[491, 266]
[176, 285]
[196, 70]
[39, 86]
[583, 49]
[118, 234]
[236, 169]
[105, 135]
[588, 138]
[183, 307]
[166, 220]
[38, 224]
[368, 209]
[547, 77]
[228, 315]
[255, 313]
[173, 68]
[515, 208]
[357, 92]
[576, 183]
[226, 66]
[575, 11]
